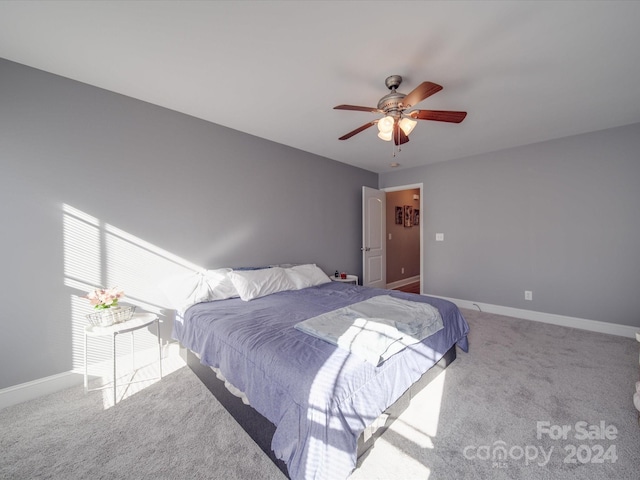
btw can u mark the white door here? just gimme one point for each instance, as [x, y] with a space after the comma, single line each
[374, 245]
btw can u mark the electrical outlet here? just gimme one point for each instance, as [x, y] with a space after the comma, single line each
[439, 237]
[528, 295]
[402, 270]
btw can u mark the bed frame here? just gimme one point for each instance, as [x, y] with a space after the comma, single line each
[261, 430]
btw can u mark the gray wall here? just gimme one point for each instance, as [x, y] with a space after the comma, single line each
[101, 189]
[560, 218]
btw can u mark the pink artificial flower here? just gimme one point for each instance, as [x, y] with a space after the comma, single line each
[105, 298]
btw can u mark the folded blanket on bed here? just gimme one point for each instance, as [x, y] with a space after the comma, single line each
[377, 328]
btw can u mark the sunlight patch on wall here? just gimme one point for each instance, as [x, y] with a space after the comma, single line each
[138, 266]
[82, 251]
[99, 255]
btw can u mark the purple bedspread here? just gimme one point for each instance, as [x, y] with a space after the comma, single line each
[319, 396]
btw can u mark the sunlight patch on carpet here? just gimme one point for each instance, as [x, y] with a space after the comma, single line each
[419, 422]
[132, 382]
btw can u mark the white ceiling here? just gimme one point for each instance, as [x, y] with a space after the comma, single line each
[525, 71]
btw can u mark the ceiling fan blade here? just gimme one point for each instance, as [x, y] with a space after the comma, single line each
[399, 137]
[422, 91]
[358, 130]
[356, 108]
[439, 115]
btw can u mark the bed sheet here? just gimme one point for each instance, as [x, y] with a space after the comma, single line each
[319, 396]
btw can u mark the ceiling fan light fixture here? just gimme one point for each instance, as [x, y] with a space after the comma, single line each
[385, 125]
[386, 136]
[407, 125]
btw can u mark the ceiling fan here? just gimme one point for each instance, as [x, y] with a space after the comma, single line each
[398, 121]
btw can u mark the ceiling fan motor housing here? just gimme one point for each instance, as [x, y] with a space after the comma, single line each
[390, 103]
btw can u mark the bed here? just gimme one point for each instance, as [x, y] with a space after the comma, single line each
[319, 397]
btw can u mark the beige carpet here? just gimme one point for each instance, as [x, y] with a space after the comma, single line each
[517, 373]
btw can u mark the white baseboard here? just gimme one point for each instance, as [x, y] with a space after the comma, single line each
[37, 388]
[403, 282]
[562, 320]
[47, 385]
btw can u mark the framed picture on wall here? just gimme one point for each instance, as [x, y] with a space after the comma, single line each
[408, 215]
[416, 216]
[399, 214]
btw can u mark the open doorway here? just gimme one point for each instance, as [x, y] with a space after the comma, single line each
[404, 227]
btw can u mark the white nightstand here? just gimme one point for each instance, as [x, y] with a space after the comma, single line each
[350, 279]
[137, 321]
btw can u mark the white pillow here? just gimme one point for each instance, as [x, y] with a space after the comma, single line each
[184, 290]
[220, 285]
[308, 275]
[189, 288]
[252, 284]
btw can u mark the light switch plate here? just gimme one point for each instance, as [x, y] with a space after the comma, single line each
[439, 237]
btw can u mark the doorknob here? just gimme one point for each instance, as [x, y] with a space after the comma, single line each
[365, 249]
